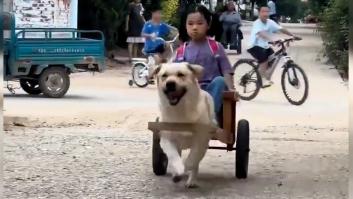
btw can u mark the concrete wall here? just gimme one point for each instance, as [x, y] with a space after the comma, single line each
[7, 6]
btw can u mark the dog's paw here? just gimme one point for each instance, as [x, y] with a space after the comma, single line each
[179, 168]
[191, 185]
[177, 178]
[191, 182]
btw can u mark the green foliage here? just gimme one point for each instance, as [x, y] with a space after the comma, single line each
[170, 12]
[292, 8]
[106, 15]
[335, 32]
[316, 6]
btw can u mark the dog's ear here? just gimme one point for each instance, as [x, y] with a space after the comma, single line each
[197, 70]
[164, 60]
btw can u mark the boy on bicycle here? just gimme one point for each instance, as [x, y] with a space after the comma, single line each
[152, 31]
[261, 33]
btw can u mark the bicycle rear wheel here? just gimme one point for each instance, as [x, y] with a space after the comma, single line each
[138, 76]
[295, 85]
[247, 79]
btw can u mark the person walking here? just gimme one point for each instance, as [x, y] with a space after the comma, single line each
[133, 27]
[271, 4]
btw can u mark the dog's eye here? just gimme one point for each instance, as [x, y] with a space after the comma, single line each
[164, 75]
[180, 75]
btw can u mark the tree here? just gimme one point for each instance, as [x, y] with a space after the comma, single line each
[317, 6]
[335, 32]
[170, 11]
[292, 8]
[105, 15]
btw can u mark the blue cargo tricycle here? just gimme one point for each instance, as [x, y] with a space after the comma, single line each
[42, 59]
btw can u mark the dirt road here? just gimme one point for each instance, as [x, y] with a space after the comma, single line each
[94, 144]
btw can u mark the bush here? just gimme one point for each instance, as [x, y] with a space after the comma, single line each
[106, 15]
[170, 12]
[335, 31]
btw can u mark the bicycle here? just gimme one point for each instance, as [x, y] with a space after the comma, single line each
[141, 66]
[290, 75]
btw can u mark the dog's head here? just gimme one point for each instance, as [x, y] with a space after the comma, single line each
[175, 80]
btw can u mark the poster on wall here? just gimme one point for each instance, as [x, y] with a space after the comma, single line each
[45, 13]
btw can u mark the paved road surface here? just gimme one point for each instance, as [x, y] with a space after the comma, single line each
[94, 144]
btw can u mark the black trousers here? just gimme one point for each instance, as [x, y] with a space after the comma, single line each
[230, 34]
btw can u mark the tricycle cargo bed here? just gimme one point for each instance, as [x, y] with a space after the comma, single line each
[69, 50]
[58, 49]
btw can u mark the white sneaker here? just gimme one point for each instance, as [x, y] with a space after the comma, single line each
[266, 83]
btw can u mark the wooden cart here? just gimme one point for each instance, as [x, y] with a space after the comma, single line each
[229, 137]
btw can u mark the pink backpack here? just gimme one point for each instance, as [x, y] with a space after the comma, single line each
[211, 43]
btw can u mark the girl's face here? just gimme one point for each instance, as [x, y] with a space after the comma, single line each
[196, 26]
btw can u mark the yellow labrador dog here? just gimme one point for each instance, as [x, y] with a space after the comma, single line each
[182, 100]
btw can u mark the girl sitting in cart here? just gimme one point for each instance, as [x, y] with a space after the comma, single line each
[202, 50]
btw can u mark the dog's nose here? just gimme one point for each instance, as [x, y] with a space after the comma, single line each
[171, 86]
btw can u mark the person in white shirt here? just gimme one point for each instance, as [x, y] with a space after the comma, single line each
[273, 13]
[261, 34]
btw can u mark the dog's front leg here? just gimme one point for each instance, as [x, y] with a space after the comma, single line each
[172, 151]
[197, 152]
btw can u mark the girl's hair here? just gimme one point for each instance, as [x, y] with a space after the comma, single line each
[211, 19]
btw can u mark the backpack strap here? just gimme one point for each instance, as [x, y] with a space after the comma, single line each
[214, 46]
[180, 54]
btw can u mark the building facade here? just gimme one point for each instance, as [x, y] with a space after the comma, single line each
[43, 13]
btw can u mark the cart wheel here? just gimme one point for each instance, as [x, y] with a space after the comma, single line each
[242, 150]
[159, 158]
[131, 82]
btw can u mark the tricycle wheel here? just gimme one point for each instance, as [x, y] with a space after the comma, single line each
[159, 158]
[131, 82]
[31, 86]
[242, 150]
[54, 82]
[138, 77]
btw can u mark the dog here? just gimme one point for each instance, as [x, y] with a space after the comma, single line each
[182, 100]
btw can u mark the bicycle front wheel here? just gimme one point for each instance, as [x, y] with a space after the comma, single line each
[138, 75]
[246, 79]
[295, 85]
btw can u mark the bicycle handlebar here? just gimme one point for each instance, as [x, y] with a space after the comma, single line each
[282, 41]
[169, 41]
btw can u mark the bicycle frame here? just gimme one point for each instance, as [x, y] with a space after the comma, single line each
[276, 58]
[150, 61]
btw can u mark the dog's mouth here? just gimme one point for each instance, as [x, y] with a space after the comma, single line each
[175, 96]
